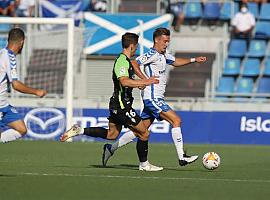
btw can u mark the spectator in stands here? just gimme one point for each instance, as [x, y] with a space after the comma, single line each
[243, 23]
[176, 8]
[25, 8]
[7, 8]
[98, 6]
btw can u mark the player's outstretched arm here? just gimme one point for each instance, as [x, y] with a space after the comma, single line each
[127, 82]
[184, 61]
[21, 87]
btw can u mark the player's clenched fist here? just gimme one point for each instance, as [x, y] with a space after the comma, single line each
[200, 59]
[153, 79]
[41, 93]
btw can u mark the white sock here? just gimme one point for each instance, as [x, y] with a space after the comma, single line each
[178, 141]
[10, 135]
[81, 131]
[143, 164]
[123, 140]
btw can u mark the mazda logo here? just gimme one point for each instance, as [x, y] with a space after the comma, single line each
[48, 123]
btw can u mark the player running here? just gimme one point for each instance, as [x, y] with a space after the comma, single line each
[121, 111]
[8, 76]
[154, 62]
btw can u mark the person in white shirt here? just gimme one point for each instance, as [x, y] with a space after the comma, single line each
[9, 77]
[25, 8]
[243, 23]
[155, 62]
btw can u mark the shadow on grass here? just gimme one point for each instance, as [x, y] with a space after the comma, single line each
[121, 166]
[7, 176]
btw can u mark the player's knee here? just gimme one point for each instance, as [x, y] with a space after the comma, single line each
[144, 136]
[177, 122]
[22, 131]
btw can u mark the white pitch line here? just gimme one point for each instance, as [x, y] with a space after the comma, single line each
[147, 177]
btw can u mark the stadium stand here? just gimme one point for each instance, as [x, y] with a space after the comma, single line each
[47, 69]
[252, 54]
[149, 6]
[189, 81]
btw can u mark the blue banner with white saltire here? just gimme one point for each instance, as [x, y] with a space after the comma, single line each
[108, 29]
[61, 9]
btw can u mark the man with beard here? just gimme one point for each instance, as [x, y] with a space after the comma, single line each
[8, 76]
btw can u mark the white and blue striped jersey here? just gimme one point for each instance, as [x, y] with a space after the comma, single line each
[155, 65]
[8, 73]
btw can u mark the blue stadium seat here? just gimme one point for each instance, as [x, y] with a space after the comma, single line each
[244, 85]
[257, 48]
[4, 28]
[193, 10]
[226, 10]
[3, 42]
[262, 29]
[211, 11]
[253, 8]
[232, 66]
[85, 4]
[264, 85]
[251, 67]
[266, 71]
[265, 11]
[226, 85]
[237, 48]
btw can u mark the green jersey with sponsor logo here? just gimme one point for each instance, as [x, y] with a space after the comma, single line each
[122, 96]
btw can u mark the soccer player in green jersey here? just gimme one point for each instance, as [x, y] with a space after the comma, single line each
[120, 106]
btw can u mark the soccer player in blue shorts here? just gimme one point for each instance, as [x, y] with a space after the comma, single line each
[8, 76]
[154, 62]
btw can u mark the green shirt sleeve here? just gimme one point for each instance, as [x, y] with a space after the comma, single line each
[121, 68]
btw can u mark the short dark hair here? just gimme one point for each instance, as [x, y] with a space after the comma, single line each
[243, 5]
[128, 39]
[15, 35]
[161, 31]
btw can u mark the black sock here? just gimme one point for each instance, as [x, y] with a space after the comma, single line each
[96, 132]
[142, 150]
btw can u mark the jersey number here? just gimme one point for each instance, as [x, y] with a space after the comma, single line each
[131, 114]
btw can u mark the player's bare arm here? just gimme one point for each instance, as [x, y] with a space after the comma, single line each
[137, 70]
[184, 61]
[127, 82]
[21, 87]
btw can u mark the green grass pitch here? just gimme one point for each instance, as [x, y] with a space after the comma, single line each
[37, 170]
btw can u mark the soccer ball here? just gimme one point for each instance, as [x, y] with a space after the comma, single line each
[211, 160]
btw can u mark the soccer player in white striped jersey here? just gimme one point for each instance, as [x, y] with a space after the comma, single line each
[8, 76]
[154, 63]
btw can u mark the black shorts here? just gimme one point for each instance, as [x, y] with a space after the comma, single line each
[127, 117]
